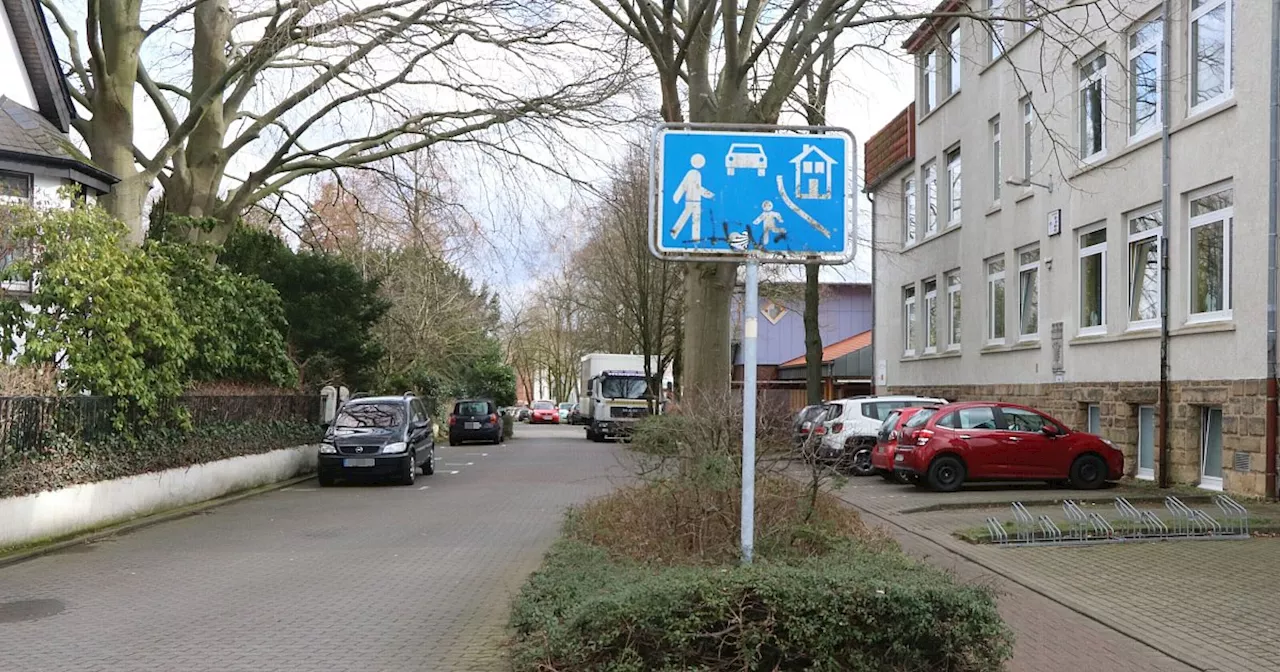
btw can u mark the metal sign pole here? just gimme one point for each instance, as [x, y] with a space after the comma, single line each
[749, 327]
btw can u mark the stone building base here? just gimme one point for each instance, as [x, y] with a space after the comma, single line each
[1243, 420]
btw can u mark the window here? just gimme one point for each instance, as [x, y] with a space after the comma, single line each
[995, 300]
[1093, 419]
[15, 188]
[1029, 294]
[1144, 78]
[953, 188]
[1028, 117]
[1020, 420]
[930, 316]
[1093, 79]
[953, 310]
[909, 321]
[953, 63]
[1212, 31]
[881, 410]
[930, 199]
[1211, 255]
[909, 210]
[977, 417]
[930, 81]
[1093, 282]
[1211, 448]
[995, 159]
[995, 30]
[1144, 270]
[1146, 442]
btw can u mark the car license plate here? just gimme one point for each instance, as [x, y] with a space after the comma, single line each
[358, 462]
[473, 425]
[897, 458]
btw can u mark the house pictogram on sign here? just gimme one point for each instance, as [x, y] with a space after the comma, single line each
[813, 173]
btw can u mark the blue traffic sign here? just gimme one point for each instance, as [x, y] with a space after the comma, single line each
[777, 194]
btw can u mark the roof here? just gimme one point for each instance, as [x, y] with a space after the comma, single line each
[929, 26]
[26, 136]
[35, 44]
[837, 350]
[891, 148]
[378, 400]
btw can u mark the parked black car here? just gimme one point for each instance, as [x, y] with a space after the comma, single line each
[386, 437]
[475, 420]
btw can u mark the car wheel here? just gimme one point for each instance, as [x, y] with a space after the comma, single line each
[410, 474]
[454, 443]
[1088, 472]
[429, 467]
[497, 439]
[324, 479]
[861, 463]
[946, 474]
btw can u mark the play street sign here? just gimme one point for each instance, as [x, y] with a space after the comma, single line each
[783, 195]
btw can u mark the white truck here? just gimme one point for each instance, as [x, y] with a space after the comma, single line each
[613, 393]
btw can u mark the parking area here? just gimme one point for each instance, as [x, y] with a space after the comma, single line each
[1170, 605]
[362, 577]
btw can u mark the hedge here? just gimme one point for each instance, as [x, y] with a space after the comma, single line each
[857, 610]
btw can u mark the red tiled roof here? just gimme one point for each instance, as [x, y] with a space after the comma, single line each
[889, 149]
[836, 350]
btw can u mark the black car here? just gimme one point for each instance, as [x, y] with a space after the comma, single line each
[475, 420]
[385, 437]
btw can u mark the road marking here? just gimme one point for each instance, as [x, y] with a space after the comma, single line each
[484, 454]
[471, 464]
[455, 472]
[424, 487]
[458, 464]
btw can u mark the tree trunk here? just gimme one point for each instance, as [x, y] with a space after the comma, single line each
[707, 330]
[812, 337]
[110, 131]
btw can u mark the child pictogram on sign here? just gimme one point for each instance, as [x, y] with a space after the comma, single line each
[770, 220]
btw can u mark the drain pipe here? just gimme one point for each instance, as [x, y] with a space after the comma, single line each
[1272, 224]
[875, 367]
[1165, 213]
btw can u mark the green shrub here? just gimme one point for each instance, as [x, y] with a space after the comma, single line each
[856, 610]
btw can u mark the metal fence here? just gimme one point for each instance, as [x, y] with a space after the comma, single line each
[29, 423]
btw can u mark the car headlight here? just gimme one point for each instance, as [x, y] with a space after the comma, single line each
[397, 447]
[328, 449]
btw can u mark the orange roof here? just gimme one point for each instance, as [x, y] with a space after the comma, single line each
[836, 350]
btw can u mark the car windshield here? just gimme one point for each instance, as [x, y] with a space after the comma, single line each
[472, 408]
[362, 416]
[921, 416]
[623, 388]
[543, 405]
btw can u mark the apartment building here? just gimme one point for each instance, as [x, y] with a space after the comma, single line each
[1029, 248]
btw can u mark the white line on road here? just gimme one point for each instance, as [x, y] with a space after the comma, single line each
[424, 487]
[455, 472]
[471, 464]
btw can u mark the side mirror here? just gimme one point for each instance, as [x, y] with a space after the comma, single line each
[1049, 430]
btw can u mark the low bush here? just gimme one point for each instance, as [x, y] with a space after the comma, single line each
[853, 609]
[63, 461]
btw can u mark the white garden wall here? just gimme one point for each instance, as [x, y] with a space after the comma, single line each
[82, 507]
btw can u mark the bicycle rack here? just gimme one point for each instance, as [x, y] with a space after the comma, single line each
[1131, 524]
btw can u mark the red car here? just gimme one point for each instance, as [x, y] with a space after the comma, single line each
[887, 442]
[544, 412]
[996, 442]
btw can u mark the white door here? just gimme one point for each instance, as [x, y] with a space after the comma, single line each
[1211, 449]
[1146, 442]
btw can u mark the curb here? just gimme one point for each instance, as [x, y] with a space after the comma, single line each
[960, 551]
[146, 521]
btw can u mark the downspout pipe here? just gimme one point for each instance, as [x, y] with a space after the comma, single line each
[1162, 432]
[1272, 224]
[872, 238]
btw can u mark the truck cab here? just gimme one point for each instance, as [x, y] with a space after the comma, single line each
[614, 401]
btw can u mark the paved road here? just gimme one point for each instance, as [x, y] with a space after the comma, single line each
[363, 578]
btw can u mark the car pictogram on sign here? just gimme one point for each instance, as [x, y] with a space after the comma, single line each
[746, 157]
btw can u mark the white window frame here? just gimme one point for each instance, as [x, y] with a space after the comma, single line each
[930, 85]
[995, 30]
[930, 198]
[997, 181]
[1227, 217]
[1099, 76]
[1211, 482]
[1093, 419]
[929, 315]
[910, 210]
[955, 174]
[1139, 471]
[1028, 126]
[955, 321]
[953, 60]
[1029, 24]
[1228, 68]
[1025, 267]
[1085, 252]
[994, 277]
[1153, 42]
[1134, 239]
[908, 321]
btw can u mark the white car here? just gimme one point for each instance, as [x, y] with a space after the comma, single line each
[746, 156]
[851, 426]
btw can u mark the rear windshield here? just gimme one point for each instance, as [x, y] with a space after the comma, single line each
[370, 415]
[881, 409]
[543, 405]
[472, 408]
[833, 411]
[920, 417]
[887, 426]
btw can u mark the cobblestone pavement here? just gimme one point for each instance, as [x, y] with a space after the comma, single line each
[359, 578]
[1205, 605]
